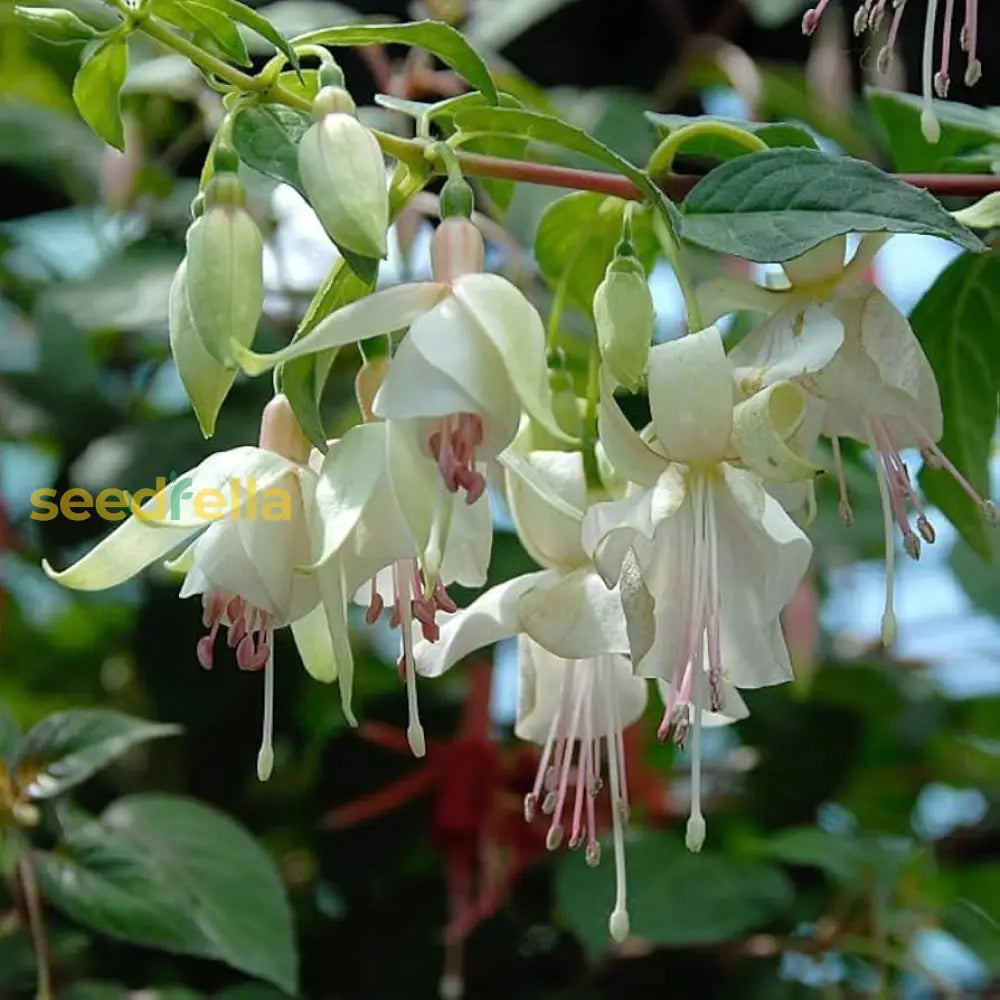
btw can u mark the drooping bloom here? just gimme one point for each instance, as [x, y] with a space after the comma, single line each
[851, 349]
[247, 509]
[869, 16]
[472, 360]
[576, 687]
[392, 535]
[704, 557]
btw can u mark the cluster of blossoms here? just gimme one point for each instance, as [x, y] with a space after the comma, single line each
[668, 553]
[869, 18]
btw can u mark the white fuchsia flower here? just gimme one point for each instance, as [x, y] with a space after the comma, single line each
[472, 360]
[248, 508]
[392, 535]
[575, 679]
[852, 350]
[869, 17]
[704, 557]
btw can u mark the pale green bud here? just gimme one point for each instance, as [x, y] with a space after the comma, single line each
[623, 313]
[205, 380]
[225, 281]
[54, 24]
[343, 175]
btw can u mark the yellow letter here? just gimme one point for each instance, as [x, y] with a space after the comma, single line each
[277, 504]
[204, 499]
[75, 504]
[111, 504]
[43, 500]
[159, 510]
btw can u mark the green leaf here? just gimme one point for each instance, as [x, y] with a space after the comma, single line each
[977, 928]
[10, 735]
[56, 25]
[965, 130]
[66, 748]
[200, 18]
[579, 233]
[775, 134]
[97, 90]
[775, 205]
[239, 11]
[674, 897]
[438, 38]
[808, 846]
[171, 873]
[267, 138]
[956, 322]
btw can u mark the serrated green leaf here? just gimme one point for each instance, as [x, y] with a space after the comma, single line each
[66, 748]
[674, 897]
[776, 205]
[775, 134]
[197, 18]
[56, 25]
[171, 873]
[956, 322]
[438, 38]
[579, 232]
[97, 90]
[257, 23]
[965, 131]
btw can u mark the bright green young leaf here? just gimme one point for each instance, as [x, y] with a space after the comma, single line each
[775, 205]
[965, 131]
[171, 873]
[198, 18]
[56, 25]
[438, 38]
[775, 134]
[239, 11]
[674, 897]
[957, 323]
[66, 748]
[97, 90]
[578, 233]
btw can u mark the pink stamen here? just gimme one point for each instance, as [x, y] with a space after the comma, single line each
[375, 604]
[453, 444]
[811, 18]
[941, 78]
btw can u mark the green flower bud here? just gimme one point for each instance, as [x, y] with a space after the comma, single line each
[343, 175]
[206, 382]
[225, 282]
[54, 24]
[623, 313]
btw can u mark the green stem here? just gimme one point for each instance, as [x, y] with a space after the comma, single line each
[590, 436]
[673, 254]
[36, 925]
[663, 157]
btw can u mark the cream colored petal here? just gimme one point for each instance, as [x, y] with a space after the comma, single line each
[691, 396]
[385, 311]
[315, 645]
[515, 329]
[488, 619]
[575, 617]
[824, 263]
[466, 556]
[722, 296]
[764, 426]
[628, 454]
[864, 256]
[330, 581]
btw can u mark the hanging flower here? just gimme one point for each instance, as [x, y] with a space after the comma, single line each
[394, 536]
[473, 358]
[852, 350]
[247, 508]
[704, 557]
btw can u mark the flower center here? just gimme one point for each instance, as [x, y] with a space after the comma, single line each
[453, 444]
[250, 631]
[587, 710]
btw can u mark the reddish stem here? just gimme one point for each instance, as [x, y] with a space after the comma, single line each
[678, 185]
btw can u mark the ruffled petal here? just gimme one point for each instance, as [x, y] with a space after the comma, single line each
[385, 311]
[515, 329]
[691, 396]
[491, 617]
[822, 264]
[330, 580]
[466, 557]
[575, 617]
